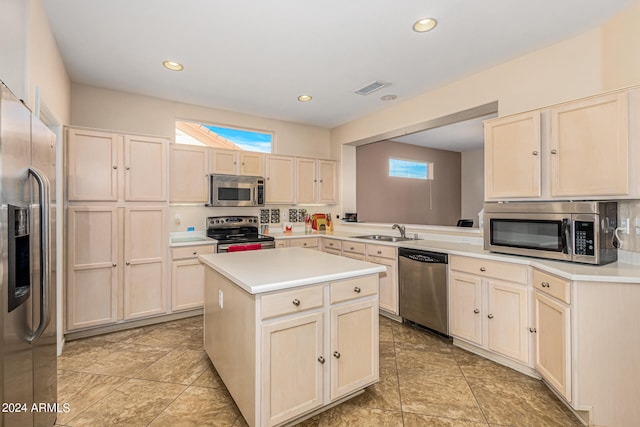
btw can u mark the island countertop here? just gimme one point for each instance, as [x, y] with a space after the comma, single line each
[277, 269]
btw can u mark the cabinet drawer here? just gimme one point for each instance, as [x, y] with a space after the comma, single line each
[332, 244]
[381, 251]
[486, 268]
[282, 243]
[293, 301]
[305, 242]
[355, 247]
[345, 290]
[185, 252]
[552, 285]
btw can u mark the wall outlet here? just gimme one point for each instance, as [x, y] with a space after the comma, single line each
[220, 299]
[624, 225]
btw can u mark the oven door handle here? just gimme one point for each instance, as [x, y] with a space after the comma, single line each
[566, 236]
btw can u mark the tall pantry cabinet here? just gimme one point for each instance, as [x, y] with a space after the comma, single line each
[116, 225]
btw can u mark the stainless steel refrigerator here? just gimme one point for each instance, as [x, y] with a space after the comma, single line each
[27, 254]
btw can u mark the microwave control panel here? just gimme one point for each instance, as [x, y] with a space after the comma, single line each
[584, 238]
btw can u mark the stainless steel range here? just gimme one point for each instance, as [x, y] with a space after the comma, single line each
[235, 233]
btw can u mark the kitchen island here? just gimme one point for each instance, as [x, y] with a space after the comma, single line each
[291, 331]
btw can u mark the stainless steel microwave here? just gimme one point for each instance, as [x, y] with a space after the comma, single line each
[580, 232]
[235, 190]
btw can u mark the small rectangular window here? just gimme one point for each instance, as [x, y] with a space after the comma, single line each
[223, 137]
[410, 169]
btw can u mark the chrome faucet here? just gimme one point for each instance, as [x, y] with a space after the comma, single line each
[401, 228]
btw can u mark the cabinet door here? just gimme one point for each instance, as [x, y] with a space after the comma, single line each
[188, 174]
[92, 166]
[187, 285]
[251, 164]
[388, 290]
[328, 182]
[354, 347]
[224, 161]
[144, 255]
[306, 188]
[145, 169]
[553, 346]
[512, 156]
[292, 367]
[465, 304]
[92, 254]
[280, 179]
[589, 147]
[507, 320]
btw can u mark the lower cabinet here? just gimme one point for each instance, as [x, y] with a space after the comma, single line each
[387, 256]
[304, 242]
[310, 346]
[490, 313]
[187, 277]
[114, 255]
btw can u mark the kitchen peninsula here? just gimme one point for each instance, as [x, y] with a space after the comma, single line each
[291, 331]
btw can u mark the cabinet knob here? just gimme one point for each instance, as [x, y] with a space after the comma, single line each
[532, 330]
[321, 181]
[351, 248]
[127, 167]
[554, 151]
[535, 153]
[336, 354]
[490, 316]
[304, 244]
[483, 269]
[128, 263]
[379, 252]
[114, 265]
[296, 302]
[545, 284]
[476, 311]
[115, 167]
[195, 253]
[357, 290]
[321, 360]
[242, 163]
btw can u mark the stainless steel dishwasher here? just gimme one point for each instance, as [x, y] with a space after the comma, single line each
[422, 276]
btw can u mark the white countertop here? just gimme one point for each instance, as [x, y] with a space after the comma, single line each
[190, 238]
[619, 272]
[277, 269]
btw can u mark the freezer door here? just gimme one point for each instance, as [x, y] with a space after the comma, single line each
[15, 350]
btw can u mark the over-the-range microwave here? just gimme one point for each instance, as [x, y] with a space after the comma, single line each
[235, 190]
[580, 232]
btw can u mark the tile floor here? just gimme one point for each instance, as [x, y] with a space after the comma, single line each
[160, 376]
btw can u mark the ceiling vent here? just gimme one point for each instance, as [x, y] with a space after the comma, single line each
[372, 87]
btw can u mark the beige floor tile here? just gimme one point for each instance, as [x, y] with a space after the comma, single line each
[407, 337]
[199, 406]
[80, 390]
[135, 403]
[209, 378]
[440, 363]
[440, 396]
[350, 415]
[127, 361]
[82, 353]
[162, 337]
[417, 420]
[474, 366]
[181, 366]
[385, 394]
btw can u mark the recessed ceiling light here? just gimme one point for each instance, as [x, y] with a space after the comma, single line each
[425, 24]
[304, 98]
[388, 97]
[172, 65]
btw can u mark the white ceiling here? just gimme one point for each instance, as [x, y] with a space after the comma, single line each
[256, 57]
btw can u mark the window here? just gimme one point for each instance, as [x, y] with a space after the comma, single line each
[410, 169]
[223, 137]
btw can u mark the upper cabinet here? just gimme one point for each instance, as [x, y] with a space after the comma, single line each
[328, 182]
[188, 168]
[236, 162]
[280, 179]
[104, 166]
[315, 181]
[576, 150]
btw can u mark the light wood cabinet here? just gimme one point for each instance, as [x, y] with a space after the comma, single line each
[579, 150]
[188, 174]
[489, 312]
[331, 246]
[304, 242]
[316, 181]
[92, 272]
[387, 256]
[512, 156]
[327, 182]
[355, 250]
[104, 166]
[187, 276]
[236, 162]
[552, 331]
[280, 180]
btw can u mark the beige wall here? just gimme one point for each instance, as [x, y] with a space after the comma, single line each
[621, 49]
[381, 198]
[472, 184]
[126, 112]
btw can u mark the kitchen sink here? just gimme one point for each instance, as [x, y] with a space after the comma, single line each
[383, 238]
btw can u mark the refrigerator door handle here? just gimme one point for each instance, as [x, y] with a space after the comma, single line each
[45, 254]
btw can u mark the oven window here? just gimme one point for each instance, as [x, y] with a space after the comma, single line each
[232, 194]
[529, 234]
